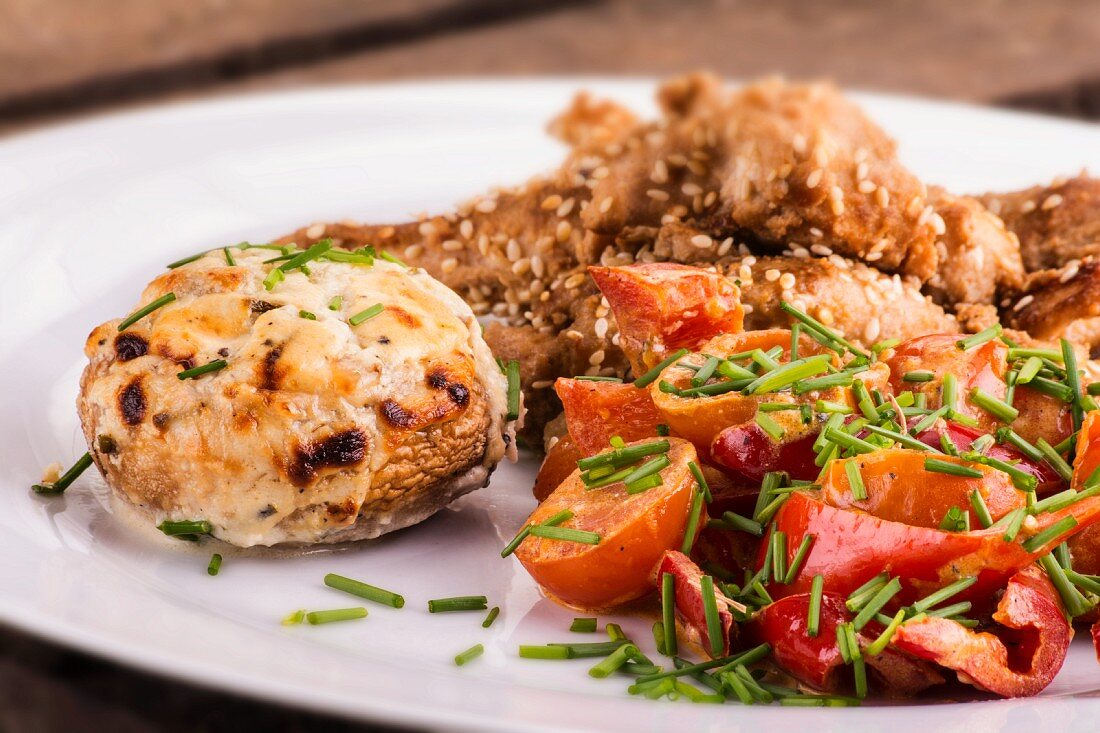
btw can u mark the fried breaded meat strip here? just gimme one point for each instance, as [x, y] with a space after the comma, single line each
[783, 169]
[1056, 224]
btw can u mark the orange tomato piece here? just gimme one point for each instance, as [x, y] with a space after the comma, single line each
[1088, 450]
[1041, 416]
[595, 411]
[899, 489]
[663, 307]
[560, 461]
[635, 532]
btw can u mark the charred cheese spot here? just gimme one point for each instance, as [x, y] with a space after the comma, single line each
[269, 377]
[261, 306]
[161, 420]
[396, 415]
[130, 346]
[343, 510]
[106, 444]
[131, 402]
[407, 319]
[346, 448]
[458, 392]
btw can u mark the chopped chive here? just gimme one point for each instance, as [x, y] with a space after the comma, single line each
[668, 612]
[337, 614]
[589, 649]
[880, 599]
[859, 597]
[918, 375]
[142, 312]
[365, 315]
[982, 443]
[308, 255]
[583, 625]
[336, 303]
[623, 456]
[651, 376]
[1055, 502]
[659, 636]
[66, 479]
[229, 257]
[1010, 436]
[1075, 603]
[531, 651]
[307, 315]
[813, 617]
[977, 503]
[693, 522]
[729, 370]
[662, 429]
[832, 407]
[901, 438]
[934, 599]
[842, 643]
[198, 371]
[799, 557]
[1073, 381]
[364, 590]
[855, 480]
[511, 371]
[796, 332]
[779, 555]
[186, 260]
[185, 527]
[294, 617]
[949, 392]
[614, 661]
[615, 632]
[600, 476]
[1011, 522]
[778, 407]
[1029, 370]
[469, 655]
[650, 467]
[849, 442]
[491, 617]
[840, 379]
[705, 372]
[383, 254]
[1054, 459]
[710, 612]
[1035, 543]
[981, 337]
[744, 524]
[999, 409]
[773, 429]
[700, 479]
[814, 325]
[1094, 389]
[565, 534]
[786, 375]
[643, 484]
[1021, 479]
[766, 360]
[948, 445]
[936, 465]
[955, 520]
[215, 565]
[273, 278]
[879, 644]
[458, 603]
[1049, 387]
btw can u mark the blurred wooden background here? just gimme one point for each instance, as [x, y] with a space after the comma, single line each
[62, 59]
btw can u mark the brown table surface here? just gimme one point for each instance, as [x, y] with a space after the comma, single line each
[69, 58]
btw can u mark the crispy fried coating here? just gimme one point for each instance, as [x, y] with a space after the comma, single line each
[1056, 224]
[1061, 303]
[978, 256]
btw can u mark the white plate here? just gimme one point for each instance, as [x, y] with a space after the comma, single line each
[90, 212]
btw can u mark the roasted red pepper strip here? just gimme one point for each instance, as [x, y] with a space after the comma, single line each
[851, 547]
[663, 307]
[595, 411]
[1088, 450]
[1020, 659]
[747, 452]
[816, 661]
[689, 600]
[962, 437]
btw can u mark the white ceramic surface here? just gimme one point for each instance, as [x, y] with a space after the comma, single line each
[91, 211]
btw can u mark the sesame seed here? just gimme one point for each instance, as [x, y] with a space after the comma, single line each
[657, 194]
[882, 197]
[660, 172]
[814, 178]
[551, 202]
[600, 173]
[871, 330]
[866, 186]
[702, 241]
[575, 335]
[413, 251]
[566, 207]
[938, 224]
[771, 274]
[1070, 272]
[451, 245]
[543, 384]
[466, 228]
[564, 230]
[798, 142]
[316, 231]
[861, 170]
[513, 251]
[486, 206]
[691, 189]
[800, 252]
[1052, 201]
[520, 267]
[605, 205]
[574, 281]
[786, 281]
[449, 265]
[600, 329]
[1027, 207]
[426, 229]
[820, 250]
[538, 267]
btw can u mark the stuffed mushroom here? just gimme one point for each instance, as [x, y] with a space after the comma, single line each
[294, 396]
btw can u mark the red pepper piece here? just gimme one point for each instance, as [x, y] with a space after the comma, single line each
[747, 452]
[595, 411]
[689, 600]
[663, 307]
[1020, 659]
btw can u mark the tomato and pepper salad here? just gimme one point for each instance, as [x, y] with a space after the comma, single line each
[821, 522]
